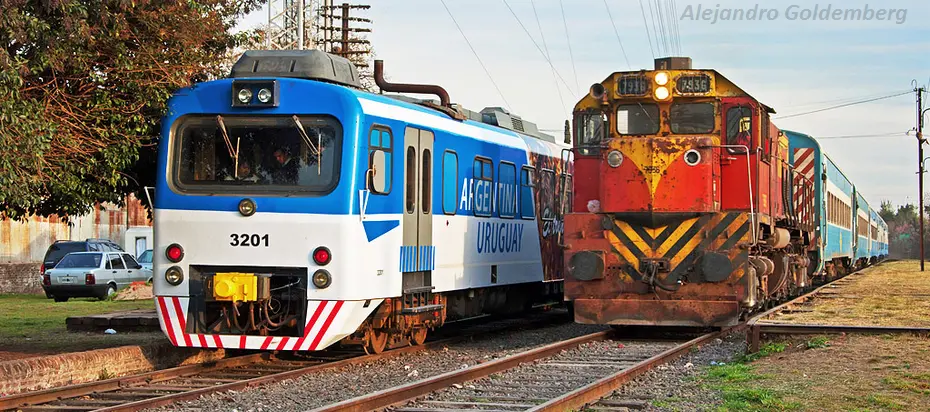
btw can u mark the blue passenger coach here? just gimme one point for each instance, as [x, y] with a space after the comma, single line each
[851, 233]
[296, 210]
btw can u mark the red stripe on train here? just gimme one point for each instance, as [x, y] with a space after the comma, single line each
[329, 321]
[169, 327]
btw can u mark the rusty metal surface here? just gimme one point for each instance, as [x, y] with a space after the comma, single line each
[577, 399]
[412, 390]
[656, 312]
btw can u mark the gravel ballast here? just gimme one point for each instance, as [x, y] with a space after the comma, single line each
[330, 386]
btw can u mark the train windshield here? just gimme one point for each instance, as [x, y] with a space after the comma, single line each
[637, 119]
[240, 154]
[692, 118]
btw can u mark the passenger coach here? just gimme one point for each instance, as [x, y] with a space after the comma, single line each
[295, 210]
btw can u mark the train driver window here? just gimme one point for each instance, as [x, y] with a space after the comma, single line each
[380, 156]
[593, 128]
[739, 128]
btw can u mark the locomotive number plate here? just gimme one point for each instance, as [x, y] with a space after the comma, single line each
[248, 240]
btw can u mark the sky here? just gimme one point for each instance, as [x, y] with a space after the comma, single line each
[787, 63]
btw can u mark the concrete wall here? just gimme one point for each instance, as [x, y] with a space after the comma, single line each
[23, 243]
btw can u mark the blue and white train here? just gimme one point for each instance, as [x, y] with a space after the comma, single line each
[295, 210]
[851, 234]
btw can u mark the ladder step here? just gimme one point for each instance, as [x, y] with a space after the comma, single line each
[421, 309]
[419, 289]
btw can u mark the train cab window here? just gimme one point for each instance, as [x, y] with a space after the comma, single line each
[527, 183]
[638, 119]
[380, 156]
[692, 118]
[739, 128]
[766, 137]
[482, 187]
[507, 190]
[256, 154]
[565, 193]
[450, 179]
[547, 197]
[592, 128]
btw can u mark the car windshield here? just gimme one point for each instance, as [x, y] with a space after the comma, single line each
[80, 260]
[146, 257]
[246, 154]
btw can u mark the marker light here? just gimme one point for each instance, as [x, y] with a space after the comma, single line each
[322, 279]
[247, 207]
[614, 158]
[264, 95]
[245, 95]
[174, 275]
[174, 253]
[661, 93]
[322, 256]
[661, 78]
[692, 157]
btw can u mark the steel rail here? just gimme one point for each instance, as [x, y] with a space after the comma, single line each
[403, 393]
[591, 393]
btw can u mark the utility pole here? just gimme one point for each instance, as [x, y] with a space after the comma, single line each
[920, 165]
[346, 41]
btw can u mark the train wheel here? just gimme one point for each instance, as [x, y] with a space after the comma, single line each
[418, 336]
[377, 341]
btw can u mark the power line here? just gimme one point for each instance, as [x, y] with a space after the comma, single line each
[661, 18]
[843, 105]
[486, 71]
[617, 33]
[677, 26]
[569, 42]
[848, 99]
[543, 37]
[655, 30]
[646, 26]
[861, 136]
[537, 45]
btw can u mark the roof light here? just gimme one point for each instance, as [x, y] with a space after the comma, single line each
[661, 93]
[661, 78]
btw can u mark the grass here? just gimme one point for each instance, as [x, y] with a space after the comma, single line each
[740, 384]
[817, 342]
[36, 324]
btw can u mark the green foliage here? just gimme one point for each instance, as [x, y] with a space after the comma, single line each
[83, 86]
[766, 350]
[817, 342]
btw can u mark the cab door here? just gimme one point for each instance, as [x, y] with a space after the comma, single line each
[418, 255]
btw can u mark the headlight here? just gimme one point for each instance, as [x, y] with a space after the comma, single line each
[322, 279]
[661, 93]
[264, 95]
[245, 95]
[661, 78]
[692, 157]
[174, 275]
[614, 158]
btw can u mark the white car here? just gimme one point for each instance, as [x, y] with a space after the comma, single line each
[92, 274]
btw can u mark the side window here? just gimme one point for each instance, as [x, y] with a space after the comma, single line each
[380, 160]
[450, 181]
[116, 262]
[506, 190]
[411, 180]
[565, 187]
[130, 261]
[482, 190]
[93, 247]
[547, 198]
[766, 137]
[527, 183]
[739, 128]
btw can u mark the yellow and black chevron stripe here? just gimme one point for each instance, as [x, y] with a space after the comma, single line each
[681, 243]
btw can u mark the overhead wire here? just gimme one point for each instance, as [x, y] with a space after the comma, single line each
[677, 25]
[520, 22]
[617, 33]
[842, 105]
[569, 42]
[861, 136]
[661, 18]
[548, 56]
[486, 71]
[848, 99]
[646, 26]
[655, 27]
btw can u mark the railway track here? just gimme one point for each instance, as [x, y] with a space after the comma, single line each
[165, 387]
[557, 377]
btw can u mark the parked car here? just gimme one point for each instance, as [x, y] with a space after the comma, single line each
[92, 274]
[61, 248]
[146, 259]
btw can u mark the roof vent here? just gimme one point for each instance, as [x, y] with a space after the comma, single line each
[673, 63]
[500, 117]
[301, 64]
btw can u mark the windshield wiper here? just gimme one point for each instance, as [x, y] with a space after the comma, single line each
[317, 150]
[233, 153]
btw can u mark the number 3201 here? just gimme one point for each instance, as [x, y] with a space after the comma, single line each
[246, 240]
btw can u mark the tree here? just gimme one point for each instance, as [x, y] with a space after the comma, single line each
[83, 85]
[887, 211]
